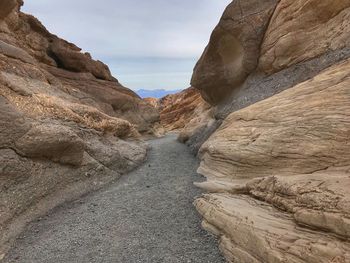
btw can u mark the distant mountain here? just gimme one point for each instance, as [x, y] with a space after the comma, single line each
[158, 93]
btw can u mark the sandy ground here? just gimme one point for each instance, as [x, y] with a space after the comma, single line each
[147, 216]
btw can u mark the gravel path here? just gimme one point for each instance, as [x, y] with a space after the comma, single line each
[147, 216]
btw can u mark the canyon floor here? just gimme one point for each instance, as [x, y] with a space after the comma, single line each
[146, 216]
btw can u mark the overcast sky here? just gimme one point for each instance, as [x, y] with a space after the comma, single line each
[147, 44]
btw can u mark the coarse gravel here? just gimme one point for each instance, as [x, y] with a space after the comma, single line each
[146, 216]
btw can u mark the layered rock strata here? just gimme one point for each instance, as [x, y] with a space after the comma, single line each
[276, 155]
[291, 152]
[274, 46]
[66, 125]
[177, 110]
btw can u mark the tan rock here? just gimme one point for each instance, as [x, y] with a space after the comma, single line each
[152, 101]
[291, 133]
[320, 200]
[13, 124]
[177, 110]
[67, 126]
[302, 30]
[293, 147]
[72, 59]
[6, 6]
[233, 50]
[55, 142]
[253, 231]
[15, 52]
[277, 161]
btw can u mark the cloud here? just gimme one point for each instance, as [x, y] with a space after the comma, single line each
[112, 30]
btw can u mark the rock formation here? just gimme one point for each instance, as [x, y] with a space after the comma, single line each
[185, 111]
[67, 125]
[177, 110]
[276, 153]
[222, 85]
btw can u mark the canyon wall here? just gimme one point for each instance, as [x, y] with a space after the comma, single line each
[276, 155]
[67, 125]
[255, 52]
[184, 112]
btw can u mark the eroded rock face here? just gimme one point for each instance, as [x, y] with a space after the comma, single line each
[276, 155]
[302, 30]
[74, 60]
[291, 152]
[253, 231]
[233, 50]
[6, 6]
[177, 110]
[184, 112]
[66, 125]
[298, 40]
[55, 142]
[292, 132]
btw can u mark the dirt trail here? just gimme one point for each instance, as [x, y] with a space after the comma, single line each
[146, 216]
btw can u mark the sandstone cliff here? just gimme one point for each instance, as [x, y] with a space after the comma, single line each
[67, 125]
[276, 155]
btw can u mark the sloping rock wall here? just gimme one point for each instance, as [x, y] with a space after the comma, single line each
[297, 40]
[290, 152]
[66, 125]
[276, 156]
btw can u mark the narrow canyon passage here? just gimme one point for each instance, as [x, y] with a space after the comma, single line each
[146, 216]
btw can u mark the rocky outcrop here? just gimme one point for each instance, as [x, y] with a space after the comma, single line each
[184, 112]
[292, 132]
[276, 155]
[154, 102]
[289, 151]
[253, 231]
[285, 53]
[6, 6]
[291, 35]
[66, 125]
[233, 50]
[177, 110]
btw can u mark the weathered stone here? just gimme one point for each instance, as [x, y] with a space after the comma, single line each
[63, 122]
[320, 200]
[6, 6]
[13, 124]
[298, 141]
[253, 231]
[233, 50]
[178, 110]
[279, 134]
[55, 142]
[74, 60]
[302, 30]
[290, 133]
[15, 52]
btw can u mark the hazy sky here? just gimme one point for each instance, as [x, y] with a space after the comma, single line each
[148, 44]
